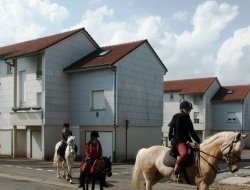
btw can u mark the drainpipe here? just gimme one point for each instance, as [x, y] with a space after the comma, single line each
[242, 124]
[114, 69]
[15, 105]
[126, 138]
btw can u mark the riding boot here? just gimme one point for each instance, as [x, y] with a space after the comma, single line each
[176, 174]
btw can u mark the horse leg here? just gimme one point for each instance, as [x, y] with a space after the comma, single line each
[69, 177]
[93, 184]
[203, 186]
[57, 170]
[63, 162]
[102, 181]
[149, 179]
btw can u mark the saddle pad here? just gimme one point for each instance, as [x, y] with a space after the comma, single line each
[169, 160]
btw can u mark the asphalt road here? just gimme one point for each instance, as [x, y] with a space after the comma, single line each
[26, 174]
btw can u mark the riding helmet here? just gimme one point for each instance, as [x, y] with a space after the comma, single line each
[186, 104]
[94, 134]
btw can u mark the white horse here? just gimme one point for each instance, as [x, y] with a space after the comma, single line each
[149, 161]
[70, 155]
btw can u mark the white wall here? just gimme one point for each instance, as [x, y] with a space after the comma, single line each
[140, 89]
[170, 107]
[6, 94]
[208, 109]
[56, 81]
[33, 86]
[219, 116]
[80, 85]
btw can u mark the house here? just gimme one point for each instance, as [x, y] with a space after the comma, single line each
[231, 109]
[216, 108]
[68, 77]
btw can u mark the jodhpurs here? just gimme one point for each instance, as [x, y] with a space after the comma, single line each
[183, 151]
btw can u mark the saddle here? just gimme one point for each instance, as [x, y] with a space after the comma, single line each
[61, 150]
[169, 159]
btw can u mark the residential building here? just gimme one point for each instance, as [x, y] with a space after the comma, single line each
[216, 108]
[67, 77]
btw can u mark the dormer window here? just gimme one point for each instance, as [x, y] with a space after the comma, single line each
[104, 52]
[230, 91]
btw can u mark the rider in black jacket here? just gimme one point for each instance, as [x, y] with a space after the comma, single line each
[180, 132]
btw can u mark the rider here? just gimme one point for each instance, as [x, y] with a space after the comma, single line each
[180, 132]
[93, 151]
[66, 132]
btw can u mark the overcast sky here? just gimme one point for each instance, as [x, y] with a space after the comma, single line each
[193, 38]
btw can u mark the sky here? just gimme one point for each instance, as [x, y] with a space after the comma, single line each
[193, 38]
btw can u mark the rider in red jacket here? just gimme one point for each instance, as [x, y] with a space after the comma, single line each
[93, 151]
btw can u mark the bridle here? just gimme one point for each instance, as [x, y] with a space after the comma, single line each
[71, 147]
[228, 157]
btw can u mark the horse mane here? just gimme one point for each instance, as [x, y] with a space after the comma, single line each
[214, 137]
[70, 138]
[221, 136]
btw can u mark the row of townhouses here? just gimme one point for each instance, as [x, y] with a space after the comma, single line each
[216, 108]
[68, 77]
[116, 90]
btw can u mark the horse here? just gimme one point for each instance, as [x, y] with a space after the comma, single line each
[70, 154]
[202, 173]
[103, 168]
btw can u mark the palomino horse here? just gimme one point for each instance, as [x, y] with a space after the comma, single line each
[103, 168]
[70, 154]
[229, 145]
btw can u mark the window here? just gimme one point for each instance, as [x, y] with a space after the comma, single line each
[171, 96]
[9, 69]
[197, 99]
[98, 100]
[39, 99]
[39, 68]
[196, 117]
[231, 117]
[22, 88]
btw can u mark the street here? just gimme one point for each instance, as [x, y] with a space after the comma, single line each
[19, 174]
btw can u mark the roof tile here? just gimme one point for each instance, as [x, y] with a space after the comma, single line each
[114, 54]
[33, 46]
[189, 86]
[232, 93]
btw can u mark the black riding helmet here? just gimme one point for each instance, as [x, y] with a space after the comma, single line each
[186, 104]
[94, 134]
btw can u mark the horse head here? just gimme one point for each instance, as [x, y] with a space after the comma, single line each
[232, 148]
[71, 144]
[108, 166]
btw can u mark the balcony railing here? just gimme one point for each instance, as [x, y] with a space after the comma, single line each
[26, 116]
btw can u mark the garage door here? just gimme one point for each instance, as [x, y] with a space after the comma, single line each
[5, 142]
[36, 145]
[106, 141]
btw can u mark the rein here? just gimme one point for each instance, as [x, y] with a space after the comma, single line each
[105, 170]
[227, 156]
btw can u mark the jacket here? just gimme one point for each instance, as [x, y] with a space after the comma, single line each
[181, 129]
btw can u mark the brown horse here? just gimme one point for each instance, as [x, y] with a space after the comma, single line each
[149, 162]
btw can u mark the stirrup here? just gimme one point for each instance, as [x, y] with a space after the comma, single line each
[175, 178]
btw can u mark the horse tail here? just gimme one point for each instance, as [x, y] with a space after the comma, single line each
[55, 160]
[137, 172]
